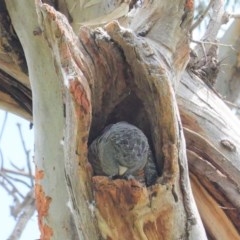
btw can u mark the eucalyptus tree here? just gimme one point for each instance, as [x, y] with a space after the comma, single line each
[83, 65]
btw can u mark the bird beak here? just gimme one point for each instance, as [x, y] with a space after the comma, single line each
[122, 170]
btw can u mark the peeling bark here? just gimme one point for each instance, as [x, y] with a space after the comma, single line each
[213, 156]
[94, 71]
[83, 79]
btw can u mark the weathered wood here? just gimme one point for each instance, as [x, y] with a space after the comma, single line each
[83, 82]
[121, 69]
[160, 118]
[213, 141]
[15, 90]
[55, 218]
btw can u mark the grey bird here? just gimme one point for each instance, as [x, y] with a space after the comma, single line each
[123, 151]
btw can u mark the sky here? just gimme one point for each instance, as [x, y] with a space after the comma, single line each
[12, 150]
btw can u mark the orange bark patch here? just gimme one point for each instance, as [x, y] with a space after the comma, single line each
[150, 230]
[80, 95]
[42, 204]
[115, 201]
[39, 174]
[189, 5]
[190, 122]
[46, 232]
[161, 228]
[120, 193]
[66, 55]
[51, 12]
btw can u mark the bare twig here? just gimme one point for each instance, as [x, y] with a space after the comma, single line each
[3, 125]
[19, 180]
[23, 174]
[213, 27]
[10, 191]
[215, 21]
[201, 17]
[14, 188]
[233, 15]
[26, 153]
[23, 206]
[233, 105]
[1, 134]
[16, 167]
[2, 160]
[214, 43]
[18, 207]
[27, 211]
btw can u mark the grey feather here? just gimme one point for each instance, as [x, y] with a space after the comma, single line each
[123, 146]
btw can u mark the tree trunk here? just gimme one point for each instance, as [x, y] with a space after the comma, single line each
[133, 70]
